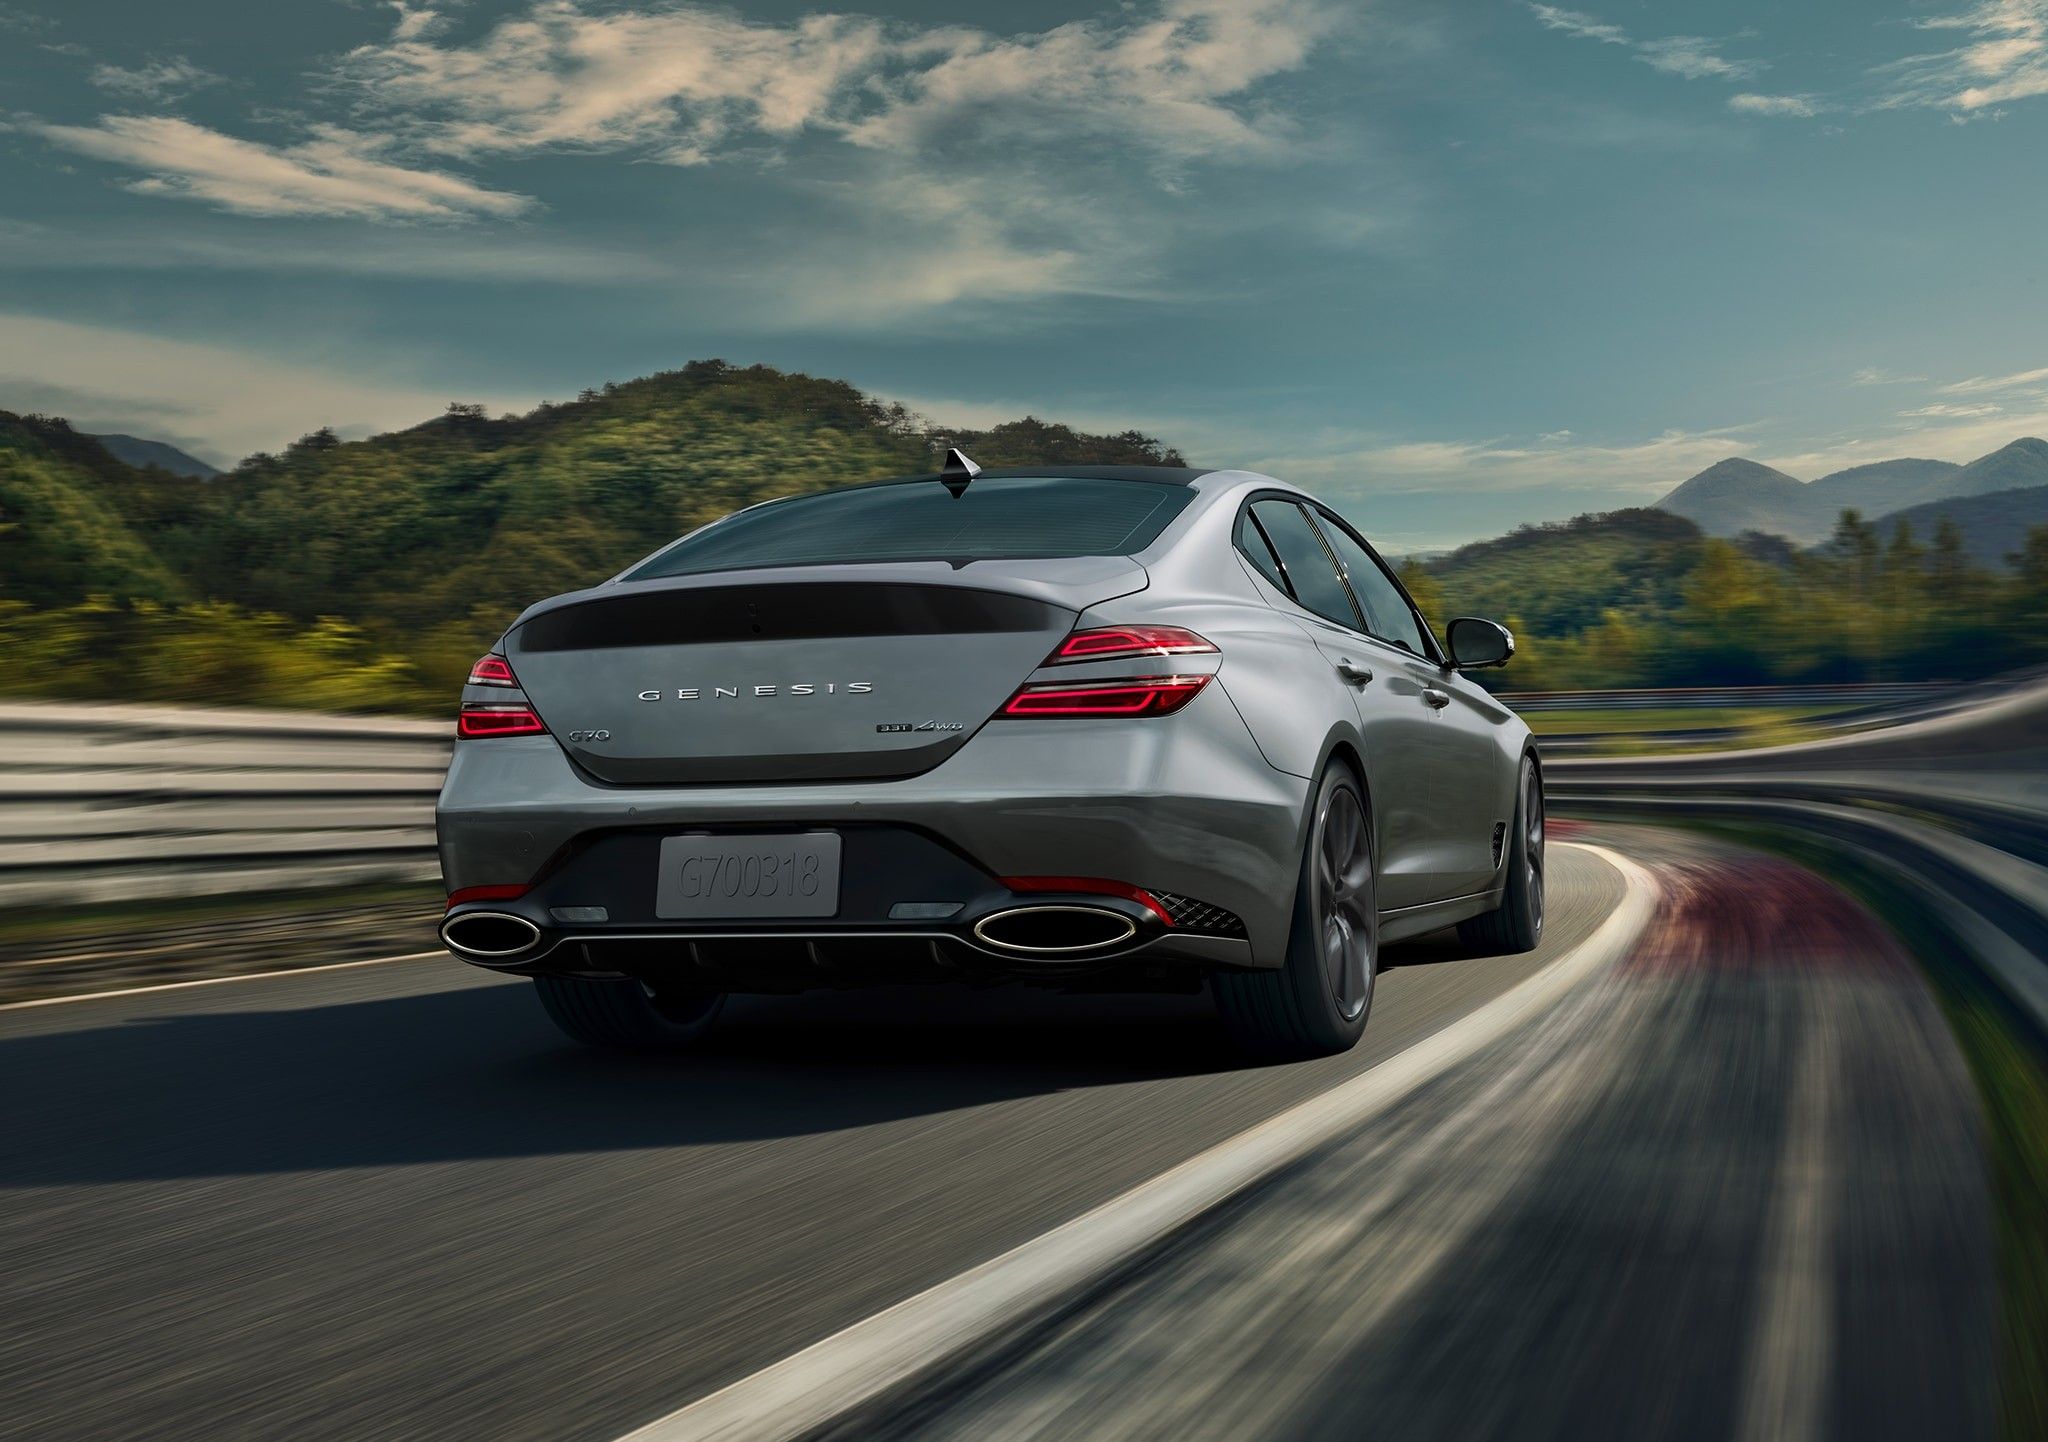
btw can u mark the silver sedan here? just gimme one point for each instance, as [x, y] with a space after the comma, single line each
[1126, 728]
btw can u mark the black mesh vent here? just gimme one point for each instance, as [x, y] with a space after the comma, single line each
[1199, 916]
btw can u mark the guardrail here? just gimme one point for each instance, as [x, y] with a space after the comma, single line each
[109, 803]
[1952, 809]
[104, 804]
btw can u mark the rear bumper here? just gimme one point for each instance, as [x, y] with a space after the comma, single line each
[1182, 805]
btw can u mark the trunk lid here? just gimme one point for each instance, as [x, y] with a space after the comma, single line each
[819, 673]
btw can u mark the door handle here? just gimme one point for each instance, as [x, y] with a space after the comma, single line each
[1435, 698]
[1354, 675]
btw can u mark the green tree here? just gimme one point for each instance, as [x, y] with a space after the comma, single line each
[1425, 591]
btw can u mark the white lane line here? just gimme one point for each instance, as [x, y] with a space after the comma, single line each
[1789, 1352]
[217, 980]
[831, 1378]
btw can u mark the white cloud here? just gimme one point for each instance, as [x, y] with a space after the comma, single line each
[1574, 22]
[225, 401]
[1798, 106]
[416, 20]
[1692, 57]
[1618, 474]
[1960, 438]
[975, 242]
[335, 173]
[437, 252]
[953, 164]
[1167, 83]
[1586, 476]
[12, 18]
[1979, 385]
[153, 80]
[685, 83]
[1946, 410]
[2006, 60]
[970, 165]
[1879, 376]
[675, 82]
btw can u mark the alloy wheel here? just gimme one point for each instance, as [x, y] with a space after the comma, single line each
[1346, 907]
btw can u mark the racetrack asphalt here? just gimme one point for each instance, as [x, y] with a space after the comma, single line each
[393, 1202]
[1732, 1188]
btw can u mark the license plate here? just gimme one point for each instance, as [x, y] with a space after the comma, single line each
[748, 877]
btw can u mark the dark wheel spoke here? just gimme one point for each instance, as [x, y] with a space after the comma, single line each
[1532, 811]
[1345, 909]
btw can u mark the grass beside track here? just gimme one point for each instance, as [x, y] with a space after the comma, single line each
[53, 952]
[44, 925]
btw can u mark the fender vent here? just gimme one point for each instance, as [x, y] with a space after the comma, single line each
[1198, 916]
[1500, 842]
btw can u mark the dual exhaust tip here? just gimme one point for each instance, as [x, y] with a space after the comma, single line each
[491, 935]
[1052, 930]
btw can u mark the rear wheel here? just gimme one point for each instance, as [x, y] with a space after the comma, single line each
[1317, 1002]
[1516, 925]
[626, 1014]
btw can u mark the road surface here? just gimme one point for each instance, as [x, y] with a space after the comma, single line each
[391, 1202]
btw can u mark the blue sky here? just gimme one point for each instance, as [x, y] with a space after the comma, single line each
[1456, 263]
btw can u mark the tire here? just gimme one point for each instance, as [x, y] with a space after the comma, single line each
[1316, 1003]
[626, 1014]
[1516, 925]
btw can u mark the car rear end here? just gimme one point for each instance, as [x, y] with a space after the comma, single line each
[907, 736]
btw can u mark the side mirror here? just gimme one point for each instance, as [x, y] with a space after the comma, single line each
[1476, 643]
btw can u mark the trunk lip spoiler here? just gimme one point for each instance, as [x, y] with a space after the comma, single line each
[1076, 592]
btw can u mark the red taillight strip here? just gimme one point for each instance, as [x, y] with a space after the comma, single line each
[493, 670]
[477, 723]
[1132, 696]
[488, 893]
[1091, 886]
[1107, 643]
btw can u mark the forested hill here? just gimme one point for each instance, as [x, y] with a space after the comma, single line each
[421, 544]
[366, 575]
[470, 513]
[1646, 598]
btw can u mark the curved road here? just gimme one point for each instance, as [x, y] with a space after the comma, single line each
[391, 1202]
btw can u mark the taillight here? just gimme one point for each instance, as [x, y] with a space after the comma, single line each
[476, 723]
[492, 671]
[1109, 643]
[510, 891]
[1126, 696]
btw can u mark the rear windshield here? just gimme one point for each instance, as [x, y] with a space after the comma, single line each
[1007, 517]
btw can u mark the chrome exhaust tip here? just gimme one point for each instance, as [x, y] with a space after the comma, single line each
[1054, 930]
[492, 934]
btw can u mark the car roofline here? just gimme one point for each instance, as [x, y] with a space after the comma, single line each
[1155, 475]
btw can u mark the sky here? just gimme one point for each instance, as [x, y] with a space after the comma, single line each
[1455, 264]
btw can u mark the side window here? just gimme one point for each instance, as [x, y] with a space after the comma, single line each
[1255, 550]
[1310, 573]
[1387, 612]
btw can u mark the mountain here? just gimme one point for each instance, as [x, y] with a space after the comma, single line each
[1737, 495]
[140, 453]
[2023, 463]
[1882, 486]
[1994, 526]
